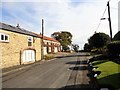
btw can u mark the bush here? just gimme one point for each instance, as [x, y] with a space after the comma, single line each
[47, 57]
[114, 48]
[117, 36]
[99, 40]
[87, 47]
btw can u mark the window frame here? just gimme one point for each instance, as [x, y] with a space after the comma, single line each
[30, 41]
[4, 37]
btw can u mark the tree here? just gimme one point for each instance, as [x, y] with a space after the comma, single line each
[117, 36]
[114, 48]
[99, 40]
[87, 47]
[64, 37]
[75, 47]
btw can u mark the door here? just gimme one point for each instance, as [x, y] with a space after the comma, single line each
[28, 55]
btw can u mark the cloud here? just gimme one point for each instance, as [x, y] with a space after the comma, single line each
[80, 17]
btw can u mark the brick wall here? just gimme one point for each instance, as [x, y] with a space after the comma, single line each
[11, 52]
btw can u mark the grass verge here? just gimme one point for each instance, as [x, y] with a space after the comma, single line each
[48, 57]
[110, 74]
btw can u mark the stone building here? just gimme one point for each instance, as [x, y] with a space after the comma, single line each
[18, 46]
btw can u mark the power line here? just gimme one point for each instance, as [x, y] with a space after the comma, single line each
[101, 17]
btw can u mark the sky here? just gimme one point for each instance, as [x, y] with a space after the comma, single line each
[79, 17]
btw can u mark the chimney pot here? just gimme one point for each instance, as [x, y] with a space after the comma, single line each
[18, 25]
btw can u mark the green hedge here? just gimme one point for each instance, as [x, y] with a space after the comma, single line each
[114, 48]
[48, 57]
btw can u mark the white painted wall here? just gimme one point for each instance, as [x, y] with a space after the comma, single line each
[55, 50]
[44, 50]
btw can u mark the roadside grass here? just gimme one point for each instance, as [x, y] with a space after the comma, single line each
[48, 57]
[110, 74]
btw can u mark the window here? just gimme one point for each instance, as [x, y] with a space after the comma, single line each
[45, 43]
[4, 37]
[28, 55]
[30, 40]
[49, 43]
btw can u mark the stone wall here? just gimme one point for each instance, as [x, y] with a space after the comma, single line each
[11, 52]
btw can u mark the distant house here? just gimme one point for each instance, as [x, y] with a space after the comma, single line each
[50, 45]
[18, 46]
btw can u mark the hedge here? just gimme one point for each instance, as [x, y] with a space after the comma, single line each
[114, 48]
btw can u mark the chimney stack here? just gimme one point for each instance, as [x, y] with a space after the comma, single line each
[18, 26]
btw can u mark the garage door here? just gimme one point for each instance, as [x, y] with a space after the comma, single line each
[28, 55]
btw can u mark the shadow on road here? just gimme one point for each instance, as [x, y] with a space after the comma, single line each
[78, 68]
[77, 62]
[72, 62]
[83, 62]
[77, 55]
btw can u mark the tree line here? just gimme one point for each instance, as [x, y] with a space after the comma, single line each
[101, 43]
[65, 38]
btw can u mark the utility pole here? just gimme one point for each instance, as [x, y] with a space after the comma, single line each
[42, 55]
[118, 16]
[109, 19]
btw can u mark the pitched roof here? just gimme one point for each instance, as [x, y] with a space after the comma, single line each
[46, 38]
[49, 38]
[23, 31]
[16, 29]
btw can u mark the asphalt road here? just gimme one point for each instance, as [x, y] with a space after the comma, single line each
[57, 73]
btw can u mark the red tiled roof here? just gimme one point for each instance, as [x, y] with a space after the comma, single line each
[46, 38]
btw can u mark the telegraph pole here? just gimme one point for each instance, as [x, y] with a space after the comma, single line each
[42, 55]
[109, 19]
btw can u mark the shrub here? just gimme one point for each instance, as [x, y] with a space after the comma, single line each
[47, 57]
[87, 47]
[99, 40]
[114, 48]
[117, 36]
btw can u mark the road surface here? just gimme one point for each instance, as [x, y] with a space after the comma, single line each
[63, 72]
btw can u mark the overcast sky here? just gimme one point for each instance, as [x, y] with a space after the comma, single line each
[80, 17]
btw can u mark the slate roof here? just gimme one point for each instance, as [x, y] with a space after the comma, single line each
[16, 29]
[23, 31]
[47, 38]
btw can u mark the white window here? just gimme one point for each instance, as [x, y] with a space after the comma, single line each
[48, 43]
[45, 43]
[28, 55]
[4, 37]
[30, 41]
